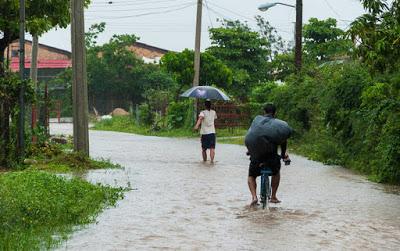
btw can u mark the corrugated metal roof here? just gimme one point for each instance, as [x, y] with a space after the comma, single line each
[42, 64]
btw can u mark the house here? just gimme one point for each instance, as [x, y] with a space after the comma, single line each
[51, 60]
[149, 53]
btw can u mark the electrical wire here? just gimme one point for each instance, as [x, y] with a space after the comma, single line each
[232, 12]
[140, 9]
[145, 14]
[208, 12]
[124, 4]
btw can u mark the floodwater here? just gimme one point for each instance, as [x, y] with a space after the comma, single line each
[179, 203]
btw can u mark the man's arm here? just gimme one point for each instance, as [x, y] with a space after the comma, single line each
[284, 154]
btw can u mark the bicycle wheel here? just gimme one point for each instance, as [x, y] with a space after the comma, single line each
[263, 191]
[267, 186]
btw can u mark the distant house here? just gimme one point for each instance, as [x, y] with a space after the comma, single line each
[149, 53]
[51, 60]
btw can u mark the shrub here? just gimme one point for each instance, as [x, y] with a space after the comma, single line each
[178, 113]
[146, 116]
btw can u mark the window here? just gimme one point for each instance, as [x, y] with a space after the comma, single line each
[14, 53]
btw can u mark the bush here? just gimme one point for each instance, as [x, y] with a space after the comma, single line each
[146, 116]
[342, 115]
[179, 113]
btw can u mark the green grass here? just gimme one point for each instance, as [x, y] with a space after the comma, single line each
[60, 158]
[73, 162]
[38, 209]
[233, 140]
[128, 125]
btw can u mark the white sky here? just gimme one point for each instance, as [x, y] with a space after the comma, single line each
[170, 24]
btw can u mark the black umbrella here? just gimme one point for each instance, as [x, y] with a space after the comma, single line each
[205, 92]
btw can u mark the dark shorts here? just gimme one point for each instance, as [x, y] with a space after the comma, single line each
[273, 162]
[208, 141]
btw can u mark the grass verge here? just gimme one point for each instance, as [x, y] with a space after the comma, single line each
[128, 125]
[38, 210]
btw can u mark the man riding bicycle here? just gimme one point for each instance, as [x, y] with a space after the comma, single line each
[262, 140]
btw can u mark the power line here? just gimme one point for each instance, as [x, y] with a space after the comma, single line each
[140, 9]
[145, 14]
[332, 9]
[129, 3]
[233, 12]
[208, 12]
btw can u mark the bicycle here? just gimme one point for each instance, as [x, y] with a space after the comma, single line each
[265, 186]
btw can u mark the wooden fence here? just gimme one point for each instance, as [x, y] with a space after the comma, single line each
[229, 114]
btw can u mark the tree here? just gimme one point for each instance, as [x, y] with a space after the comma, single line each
[93, 33]
[212, 70]
[114, 72]
[323, 41]
[41, 16]
[276, 44]
[245, 51]
[378, 35]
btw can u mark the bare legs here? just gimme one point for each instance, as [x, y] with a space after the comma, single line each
[275, 184]
[251, 181]
[253, 189]
[212, 154]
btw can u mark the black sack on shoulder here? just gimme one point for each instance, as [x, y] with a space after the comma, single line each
[264, 134]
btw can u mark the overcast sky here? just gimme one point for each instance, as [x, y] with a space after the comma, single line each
[170, 24]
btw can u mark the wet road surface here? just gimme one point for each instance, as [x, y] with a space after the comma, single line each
[180, 203]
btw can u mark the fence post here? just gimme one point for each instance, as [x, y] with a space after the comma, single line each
[137, 114]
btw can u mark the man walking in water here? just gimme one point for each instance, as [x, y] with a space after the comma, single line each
[207, 131]
[263, 151]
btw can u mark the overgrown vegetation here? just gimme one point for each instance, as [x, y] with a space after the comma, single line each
[343, 115]
[38, 209]
[129, 125]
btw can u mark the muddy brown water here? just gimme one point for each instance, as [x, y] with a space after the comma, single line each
[179, 203]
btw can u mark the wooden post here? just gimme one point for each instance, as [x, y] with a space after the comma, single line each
[33, 73]
[21, 117]
[79, 86]
[299, 30]
[196, 79]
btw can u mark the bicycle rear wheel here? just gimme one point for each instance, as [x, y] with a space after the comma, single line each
[264, 190]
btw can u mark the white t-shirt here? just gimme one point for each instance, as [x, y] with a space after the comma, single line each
[207, 124]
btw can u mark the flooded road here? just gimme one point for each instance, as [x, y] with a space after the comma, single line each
[180, 203]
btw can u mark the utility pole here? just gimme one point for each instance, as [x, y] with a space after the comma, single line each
[33, 73]
[196, 79]
[299, 30]
[21, 117]
[79, 86]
